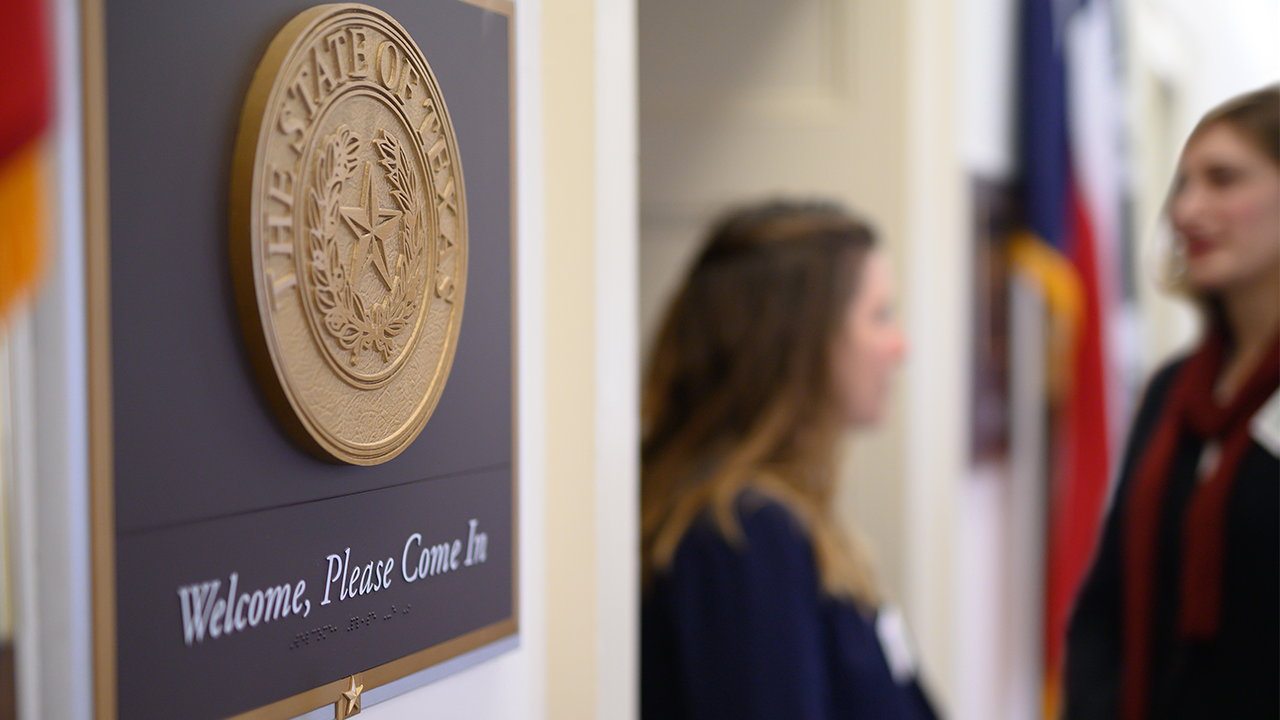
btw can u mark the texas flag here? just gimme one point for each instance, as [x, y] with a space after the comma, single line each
[1070, 157]
[24, 114]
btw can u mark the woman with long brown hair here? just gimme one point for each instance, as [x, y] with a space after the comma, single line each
[755, 604]
[1180, 616]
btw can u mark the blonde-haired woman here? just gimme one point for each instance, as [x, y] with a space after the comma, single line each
[755, 605]
[1180, 616]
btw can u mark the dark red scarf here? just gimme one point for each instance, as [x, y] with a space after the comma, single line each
[1189, 408]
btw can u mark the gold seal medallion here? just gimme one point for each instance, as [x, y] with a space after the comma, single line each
[349, 232]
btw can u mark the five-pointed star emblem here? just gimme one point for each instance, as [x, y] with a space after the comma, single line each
[372, 225]
[349, 703]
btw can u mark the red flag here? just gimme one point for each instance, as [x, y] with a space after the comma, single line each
[24, 115]
[1070, 135]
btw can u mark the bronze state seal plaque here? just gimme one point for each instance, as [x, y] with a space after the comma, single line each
[349, 233]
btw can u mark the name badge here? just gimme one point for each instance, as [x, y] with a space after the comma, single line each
[1265, 426]
[895, 642]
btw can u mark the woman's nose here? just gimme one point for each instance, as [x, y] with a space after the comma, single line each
[1188, 206]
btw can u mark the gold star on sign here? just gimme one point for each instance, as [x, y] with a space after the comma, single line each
[372, 225]
[349, 703]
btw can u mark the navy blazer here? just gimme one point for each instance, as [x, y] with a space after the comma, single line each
[744, 632]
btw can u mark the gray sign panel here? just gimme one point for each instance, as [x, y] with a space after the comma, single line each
[337, 570]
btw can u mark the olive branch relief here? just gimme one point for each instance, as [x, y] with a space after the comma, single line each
[356, 325]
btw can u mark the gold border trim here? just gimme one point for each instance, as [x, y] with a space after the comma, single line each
[328, 693]
[101, 435]
[98, 351]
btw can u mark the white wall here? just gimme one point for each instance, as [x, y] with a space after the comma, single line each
[939, 327]
[996, 617]
[617, 338]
